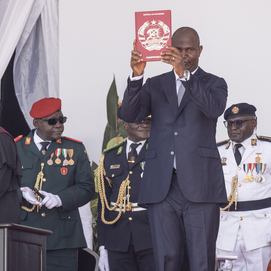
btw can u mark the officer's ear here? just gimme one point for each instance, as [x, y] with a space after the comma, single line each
[125, 125]
[254, 123]
[36, 123]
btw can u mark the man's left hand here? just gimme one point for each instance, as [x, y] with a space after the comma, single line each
[50, 201]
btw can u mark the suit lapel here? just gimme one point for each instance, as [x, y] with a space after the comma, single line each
[169, 87]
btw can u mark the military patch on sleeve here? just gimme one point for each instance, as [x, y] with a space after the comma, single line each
[18, 138]
[221, 143]
[264, 138]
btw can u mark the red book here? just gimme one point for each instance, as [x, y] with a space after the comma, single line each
[153, 33]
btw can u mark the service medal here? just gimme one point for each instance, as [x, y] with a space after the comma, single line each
[246, 168]
[57, 153]
[50, 161]
[64, 153]
[71, 152]
[258, 179]
[251, 168]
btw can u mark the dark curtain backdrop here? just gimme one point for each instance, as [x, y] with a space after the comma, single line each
[12, 118]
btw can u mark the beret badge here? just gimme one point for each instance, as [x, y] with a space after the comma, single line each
[235, 110]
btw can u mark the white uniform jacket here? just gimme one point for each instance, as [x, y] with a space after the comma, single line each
[256, 224]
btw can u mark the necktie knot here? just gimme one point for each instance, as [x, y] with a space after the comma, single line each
[44, 147]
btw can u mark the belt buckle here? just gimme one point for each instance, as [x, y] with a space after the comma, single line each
[128, 207]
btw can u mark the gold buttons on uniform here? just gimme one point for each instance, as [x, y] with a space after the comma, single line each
[239, 185]
[241, 218]
[69, 217]
[43, 214]
[130, 172]
[239, 168]
[130, 218]
[113, 175]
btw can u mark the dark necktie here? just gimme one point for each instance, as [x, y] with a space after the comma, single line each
[237, 154]
[132, 154]
[43, 148]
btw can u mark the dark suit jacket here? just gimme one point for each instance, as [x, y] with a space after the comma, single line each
[10, 179]
[187, 131]
[117, 237]
[74, 185]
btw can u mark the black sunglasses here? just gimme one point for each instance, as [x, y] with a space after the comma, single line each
[238, 123]
[54, 121]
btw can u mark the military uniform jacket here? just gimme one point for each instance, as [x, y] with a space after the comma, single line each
[134, 225]
[255, 225]
[72, 183]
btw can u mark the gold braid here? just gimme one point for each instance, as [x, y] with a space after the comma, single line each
[104, 202]
[38, 186]
[231, 196]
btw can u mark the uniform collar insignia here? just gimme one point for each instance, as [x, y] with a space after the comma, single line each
[58, 141]
[27, 141]
[120, 150]
[253, 142]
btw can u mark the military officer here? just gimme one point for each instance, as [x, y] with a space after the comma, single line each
[123, 229]
[245, 223]
[58, 168]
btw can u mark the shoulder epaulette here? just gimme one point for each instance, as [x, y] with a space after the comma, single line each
[18, 138]
[221, 143]
[264, 138]
[69, 138]
[116, 146]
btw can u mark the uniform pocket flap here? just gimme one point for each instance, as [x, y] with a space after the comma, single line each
[71, 215]
[27, 164]
[113, 172]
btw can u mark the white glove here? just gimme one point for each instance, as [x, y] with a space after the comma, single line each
[50, 201]
[103, 260]
[30, 196]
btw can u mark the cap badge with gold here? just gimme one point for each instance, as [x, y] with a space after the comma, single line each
[235, 110]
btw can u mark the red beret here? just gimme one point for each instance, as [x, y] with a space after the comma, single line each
[45, 107]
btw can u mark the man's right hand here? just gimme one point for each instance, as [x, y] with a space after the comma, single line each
[137, 63]
[103, 260]
[29, 196]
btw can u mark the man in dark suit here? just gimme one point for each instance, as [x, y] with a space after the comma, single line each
[183, 183]
[58, 167]
[10, 179]
[123, 229]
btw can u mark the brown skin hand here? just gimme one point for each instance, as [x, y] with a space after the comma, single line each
[137, 131]
[238, 135]
[137, 64]
[49, 132]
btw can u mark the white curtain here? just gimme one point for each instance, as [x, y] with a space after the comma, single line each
[13, 16]
[35, 36]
